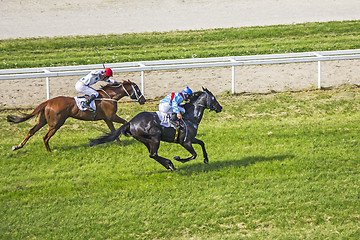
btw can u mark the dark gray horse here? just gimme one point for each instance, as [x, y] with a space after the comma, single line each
[145, 127]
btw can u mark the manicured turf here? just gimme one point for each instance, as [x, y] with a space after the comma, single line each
[282, 166]
[60, 51]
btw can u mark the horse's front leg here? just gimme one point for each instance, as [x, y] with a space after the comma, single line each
[202, 144]
[188, 146]
[110, 124]
[117, 119]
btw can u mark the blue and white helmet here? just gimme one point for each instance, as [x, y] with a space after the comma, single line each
[187, 91]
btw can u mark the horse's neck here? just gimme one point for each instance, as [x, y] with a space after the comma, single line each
[196, 111]
[115, 93]
[104, 94]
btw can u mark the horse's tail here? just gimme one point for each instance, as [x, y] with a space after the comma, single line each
[123, 130]
[16, 119]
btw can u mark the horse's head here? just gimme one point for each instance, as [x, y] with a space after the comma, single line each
[133, 91]
[211, 102]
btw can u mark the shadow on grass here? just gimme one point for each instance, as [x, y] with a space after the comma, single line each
[216, 165]
[124, 142]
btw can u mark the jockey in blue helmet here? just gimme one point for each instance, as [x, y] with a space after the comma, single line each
[170, 104]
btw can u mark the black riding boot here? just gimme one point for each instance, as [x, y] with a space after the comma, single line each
[174, 120]
[88, 101]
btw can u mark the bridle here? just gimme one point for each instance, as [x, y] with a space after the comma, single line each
[207, 102]
[133, 86]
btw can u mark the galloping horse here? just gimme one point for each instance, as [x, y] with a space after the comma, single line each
[55, 111]
[145, 127]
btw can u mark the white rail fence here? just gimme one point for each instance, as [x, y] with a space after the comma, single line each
[144, 66]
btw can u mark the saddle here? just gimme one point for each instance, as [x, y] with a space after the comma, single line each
[80, 100]
[166, 122]
[164, 119]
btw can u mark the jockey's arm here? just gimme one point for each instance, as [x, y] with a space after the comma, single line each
[179, 116]
[175, 105]
[110, 80]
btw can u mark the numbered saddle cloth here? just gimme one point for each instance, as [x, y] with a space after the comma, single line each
[80, 104]
[164, 119]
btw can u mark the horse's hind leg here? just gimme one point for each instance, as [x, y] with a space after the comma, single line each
[153, 145]
[54, 124]
[41, 122]
[163, 161]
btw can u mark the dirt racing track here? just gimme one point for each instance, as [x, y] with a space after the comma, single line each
[40, 18]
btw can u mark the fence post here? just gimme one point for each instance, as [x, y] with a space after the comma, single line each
[232, 76]
[143, 83]
[319, 74]
[142, 79]
[47, 85]
[319, 70]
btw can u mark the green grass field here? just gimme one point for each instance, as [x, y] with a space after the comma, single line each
[282, 166]
[60, 51]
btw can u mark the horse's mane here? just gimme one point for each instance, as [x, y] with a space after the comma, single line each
[111, 85]
[193, 98]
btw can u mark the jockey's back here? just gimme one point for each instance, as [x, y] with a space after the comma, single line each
[173, 99]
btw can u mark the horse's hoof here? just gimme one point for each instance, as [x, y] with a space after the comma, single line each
[206, 161]
[173, 169]
[177, 158]
[14, 148]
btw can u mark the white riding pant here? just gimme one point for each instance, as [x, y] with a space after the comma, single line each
[166, 108]
[84, 89]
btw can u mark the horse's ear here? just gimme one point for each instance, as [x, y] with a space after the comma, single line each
[204, 89]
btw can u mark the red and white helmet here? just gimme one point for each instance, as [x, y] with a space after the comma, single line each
[108, 72]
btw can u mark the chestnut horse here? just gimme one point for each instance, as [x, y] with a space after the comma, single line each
[55, 111]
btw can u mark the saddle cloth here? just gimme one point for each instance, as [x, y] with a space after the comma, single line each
[164, 119]
[80, 100]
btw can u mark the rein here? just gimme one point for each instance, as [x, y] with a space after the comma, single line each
[184, 122]
[206, 107]
[107, 99]
[127, 93]
[186, 130]
[134, 91]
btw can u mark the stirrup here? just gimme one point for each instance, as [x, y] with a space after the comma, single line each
[174, 123]
[87, 106]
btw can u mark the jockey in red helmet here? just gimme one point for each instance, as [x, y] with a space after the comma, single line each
[83, 85]
[108, 72]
